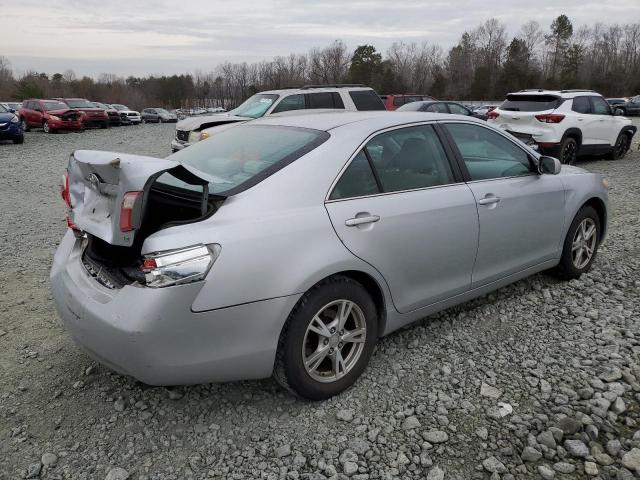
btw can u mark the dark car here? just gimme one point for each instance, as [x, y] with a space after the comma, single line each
[158, 115]
[93, 117]
[50, 115]
[112, 113]
[437, 106]
[393, 102]
[624, 106]
[10, 126]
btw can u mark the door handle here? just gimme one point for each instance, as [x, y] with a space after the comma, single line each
[354, 222]
[580, 119]
[488, 200]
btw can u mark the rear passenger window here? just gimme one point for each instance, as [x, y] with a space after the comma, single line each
[292, 102]
[356, 181]
[321, 100]
[581, 105]
[409, 158]
[488, 154]
[437, 108]
[366, 100]
[337, 100]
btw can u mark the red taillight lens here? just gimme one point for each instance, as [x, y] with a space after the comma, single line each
[550, 118]
[126, 211]
[493, 115]
[64, 189]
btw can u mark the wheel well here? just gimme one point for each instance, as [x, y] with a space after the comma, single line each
[372, 287]
[575, 134]
[598, 206]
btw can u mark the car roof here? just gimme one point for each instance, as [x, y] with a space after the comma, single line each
[320, 89]
[375, 119]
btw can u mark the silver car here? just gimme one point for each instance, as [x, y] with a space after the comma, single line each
[286, 246]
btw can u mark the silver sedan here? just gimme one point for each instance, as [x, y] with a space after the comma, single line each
[287, 246]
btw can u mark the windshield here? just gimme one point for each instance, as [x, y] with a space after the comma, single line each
[2, 109]
[240, 157]
[255, 106]
[48, 106]
[79, 103]
[530, 103]
[101, 105]
[118, 106]
[162, 111]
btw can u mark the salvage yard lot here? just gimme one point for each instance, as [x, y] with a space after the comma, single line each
[425, 404]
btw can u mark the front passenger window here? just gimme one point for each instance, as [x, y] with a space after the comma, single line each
[292, 102]
[487, 154]
[356, 181]
[600, 106]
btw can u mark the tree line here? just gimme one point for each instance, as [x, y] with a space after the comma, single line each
[485, 64]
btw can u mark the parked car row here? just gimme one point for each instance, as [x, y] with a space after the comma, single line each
[70, 114]
[626, 106]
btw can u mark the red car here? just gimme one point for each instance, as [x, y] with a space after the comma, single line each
[93, 116]
[392, 102]
[50, 115]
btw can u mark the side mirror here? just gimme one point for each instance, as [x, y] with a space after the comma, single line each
[549, 165]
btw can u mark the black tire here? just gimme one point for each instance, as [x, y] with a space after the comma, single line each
[567, 269]
[25, 126]
[567, 152]
[160, 120]
[104, 125]
[18, 140]
[289, 368]
[621, 147]
[620, 111]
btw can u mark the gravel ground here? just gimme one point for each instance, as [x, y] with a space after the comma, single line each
[537, 380]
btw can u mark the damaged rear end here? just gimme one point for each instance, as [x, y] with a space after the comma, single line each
[115, 201]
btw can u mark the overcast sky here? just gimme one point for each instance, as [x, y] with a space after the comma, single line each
[140, 37]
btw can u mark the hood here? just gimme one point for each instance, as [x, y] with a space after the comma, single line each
[63, 111]
[6, 117]
[128, 111]
[195, 123]
[572, 170]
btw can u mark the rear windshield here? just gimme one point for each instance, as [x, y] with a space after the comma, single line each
[530, 103]
[366, 100]
[240, 157]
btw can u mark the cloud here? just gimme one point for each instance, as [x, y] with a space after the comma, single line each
[165, 36]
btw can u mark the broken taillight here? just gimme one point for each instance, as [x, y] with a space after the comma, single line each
[64, 189]
[493, 115]
[127, 211]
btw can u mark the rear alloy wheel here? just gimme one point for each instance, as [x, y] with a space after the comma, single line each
[621, 147]
[25, 126]
[581, 244]
[327, 340]
[568, 151]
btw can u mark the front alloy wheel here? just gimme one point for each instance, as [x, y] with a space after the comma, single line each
[45, 127]
[327, 340]
[584, 243]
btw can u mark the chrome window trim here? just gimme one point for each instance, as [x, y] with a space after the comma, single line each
[362, 145]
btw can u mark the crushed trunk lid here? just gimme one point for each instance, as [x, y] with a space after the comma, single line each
[98, 182]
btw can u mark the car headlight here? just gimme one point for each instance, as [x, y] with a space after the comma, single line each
[605, 183]
[177, 267]
[204, 136]
[15, 119]
[194, 137]
[53, 117]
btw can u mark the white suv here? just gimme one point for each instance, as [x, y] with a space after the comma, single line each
[317, 97]
[565, 123]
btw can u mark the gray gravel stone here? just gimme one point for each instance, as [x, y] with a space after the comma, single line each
[546, 472]
[493, 465]
[436, 473]
[576, 448]
[435, 436]
[631, 459]
[49, 459]
[530, 454]
[117, 473]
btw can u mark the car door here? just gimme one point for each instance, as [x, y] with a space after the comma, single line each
[401, 207]
[521, 212]
[607, 129]
[30, 113]
[587, 122]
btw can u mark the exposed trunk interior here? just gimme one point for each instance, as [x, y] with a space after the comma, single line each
[164, 206]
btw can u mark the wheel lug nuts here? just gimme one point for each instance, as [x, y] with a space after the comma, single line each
[333, 330]
[340, 345]
[341, 332]
[331, 350]
[326, 342]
